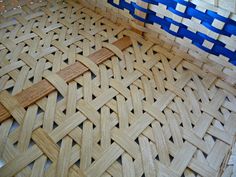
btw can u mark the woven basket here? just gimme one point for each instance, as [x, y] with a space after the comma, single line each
[83, 96]
[204, 29]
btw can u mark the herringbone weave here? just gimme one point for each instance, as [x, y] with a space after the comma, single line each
[143, 112]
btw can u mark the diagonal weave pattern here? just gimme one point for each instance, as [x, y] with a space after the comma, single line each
[35, 41]
[190, 26]
[144, 111]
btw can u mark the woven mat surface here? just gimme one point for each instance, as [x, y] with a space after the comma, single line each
[143, 112]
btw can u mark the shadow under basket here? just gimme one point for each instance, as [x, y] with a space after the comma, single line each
[84, 96]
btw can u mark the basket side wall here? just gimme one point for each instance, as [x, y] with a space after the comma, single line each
[209, 34]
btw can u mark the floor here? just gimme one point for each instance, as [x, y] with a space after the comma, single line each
[143, 112]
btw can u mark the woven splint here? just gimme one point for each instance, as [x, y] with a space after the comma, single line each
[205, 29]
[82, 96]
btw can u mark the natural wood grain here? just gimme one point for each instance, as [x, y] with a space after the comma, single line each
[140, 14]
[43, 88]
[143, 111]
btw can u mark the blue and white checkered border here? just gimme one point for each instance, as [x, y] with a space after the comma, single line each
[188, 11]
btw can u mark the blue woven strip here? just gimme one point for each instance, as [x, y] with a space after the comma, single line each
[198, 38]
